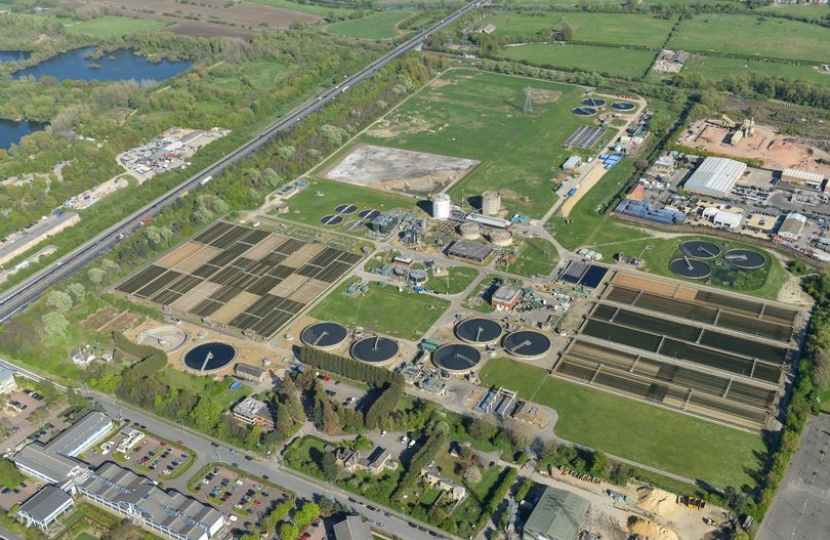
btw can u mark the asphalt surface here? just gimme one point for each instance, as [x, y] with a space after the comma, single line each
[18, 297]
[801, 510]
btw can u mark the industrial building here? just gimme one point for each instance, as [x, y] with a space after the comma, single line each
[82, 435]
[249, 373]
[797, 176]
[254, 412]
[140, 500]
[720, 218]
[469, 251]
[572, 164]
[7, 382]
[494, 222]
[506, 297]
[352, 528]
[715, 177]
[44, 508]
[559, 515]
[792, 226]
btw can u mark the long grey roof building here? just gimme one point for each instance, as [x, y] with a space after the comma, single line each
[559, 515]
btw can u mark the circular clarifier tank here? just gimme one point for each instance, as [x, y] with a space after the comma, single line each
[526, 344]
[375, 350]
[324, 335]
[209, 357]
[700, 249]
[745, 259]
[457, 358]
[690, 268]
[478, 331]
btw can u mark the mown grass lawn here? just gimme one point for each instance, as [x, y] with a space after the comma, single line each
[612, 61]
[535, 257]
[668, 440]
[716, 68]
[459, 278]
[112, 25]
[383, 25]
[403, 315]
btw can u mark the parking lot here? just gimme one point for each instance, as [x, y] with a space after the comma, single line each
[245, 498]
[151, 457]
[10, 497]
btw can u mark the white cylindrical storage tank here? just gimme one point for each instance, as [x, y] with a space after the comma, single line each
[441, 206]
[500, 238]
[490, 203]
[470, 231]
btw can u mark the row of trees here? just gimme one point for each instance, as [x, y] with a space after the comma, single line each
[435, 442]
[351, 369]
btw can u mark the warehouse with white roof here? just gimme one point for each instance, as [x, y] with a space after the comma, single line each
[715, 177]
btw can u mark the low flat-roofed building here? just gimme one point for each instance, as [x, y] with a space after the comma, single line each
[559, 515]
[249, 373]
[792, 226]
[715, 177]
[352, 528]
[137, 498]
[254, 412]
[797, 176]
[44, 508]
[38, 462]
[469, 251]
[506, 297]
[81, 435]
[7, 382]
[572, 164]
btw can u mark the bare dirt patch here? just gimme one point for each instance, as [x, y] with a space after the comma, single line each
[100, 318]
[389, 129]
[400, 170]
[122, 322]
[212, 17]
[540, 96]
[774, 150]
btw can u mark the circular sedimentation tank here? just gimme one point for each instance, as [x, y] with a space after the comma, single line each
[690, 268]
[209, 357]
[526, 344]
[345, 209]
[167, 338]
[500, 237]
[469, 231]
[592, 102]
[369, 213]
[584, 111]
[745, 259]
[331, 220]
[623, 106]
[478, 331]
[457, 358]
[375, 350]
[700, 249]
[324, 335]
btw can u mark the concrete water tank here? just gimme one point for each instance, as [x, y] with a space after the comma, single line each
[470, 231]
[500, 238]
[490, 203]
[441, 206]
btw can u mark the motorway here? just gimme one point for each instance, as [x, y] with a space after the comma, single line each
[18, 297]
[272, 471]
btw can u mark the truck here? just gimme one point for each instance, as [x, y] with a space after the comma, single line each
[345, 87]
[145, 220]
[205, 180]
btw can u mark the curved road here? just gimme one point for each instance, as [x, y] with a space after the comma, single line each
[18, 297]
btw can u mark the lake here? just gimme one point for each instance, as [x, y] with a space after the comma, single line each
[13, 56]
[12, 131]
[114, 66]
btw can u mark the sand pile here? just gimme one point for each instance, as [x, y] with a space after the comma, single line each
[654, 500]
[650, 529]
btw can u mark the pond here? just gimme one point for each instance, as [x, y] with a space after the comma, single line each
[13, 56]
[11, 131]
[118, 65]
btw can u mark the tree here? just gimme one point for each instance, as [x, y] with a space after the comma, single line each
[288, 531]
[76, 291]
[478, 429]
[54, 324]
[599, 464]
[567, 32]
[271, 178]
[329, 466]
[95, 276]
[10, 477]
[306, 514]
[472, 475]
[59, 301]
[206, 414]
[330, 420]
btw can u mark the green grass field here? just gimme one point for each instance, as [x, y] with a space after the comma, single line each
[536, 256]
[111, 25]
[314, 9]
[322, 196]
[478, 115]
[460, 278]
[381, 25]
[86, 536]
[630, 63]
[383, 309]
[810, 11]
[610, 28]
[643, 433]
[261, 73]
[750, 35]
[716, 68]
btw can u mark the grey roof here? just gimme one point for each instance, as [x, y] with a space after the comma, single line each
[715, 176]
[46, 463]
[352, 528]
[5, 373]
[68, 442]
[249, 370]
[43, 504]
[558, 515]
[469, 250]
[506, 293]
[169, 509]
[792, 225]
